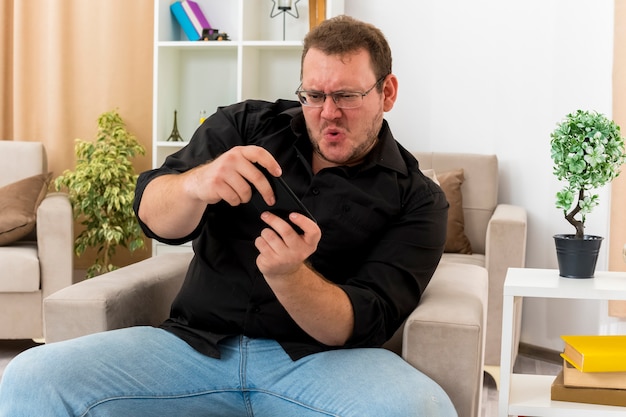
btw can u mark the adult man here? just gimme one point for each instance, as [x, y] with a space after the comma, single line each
[271, 322]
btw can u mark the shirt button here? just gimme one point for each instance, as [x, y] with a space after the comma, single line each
[256, 309]
[345, 208]
[315, 191]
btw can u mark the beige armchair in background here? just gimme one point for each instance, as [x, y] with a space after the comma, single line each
[36, 239]
[495, 231]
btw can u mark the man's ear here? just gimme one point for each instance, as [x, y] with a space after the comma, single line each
[390, 92]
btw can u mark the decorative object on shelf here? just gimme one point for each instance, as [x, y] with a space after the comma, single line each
[175, 136]
[102, 189]
[284, 8]
[317, 12]
[214, 35]
[588, 151]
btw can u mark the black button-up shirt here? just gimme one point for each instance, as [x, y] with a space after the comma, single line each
[383, 231]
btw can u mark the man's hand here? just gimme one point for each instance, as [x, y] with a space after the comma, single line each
[281, 249]
[231, 176]
[321, 308]
[172, 205]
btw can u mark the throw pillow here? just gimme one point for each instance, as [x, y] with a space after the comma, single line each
[456, 240]
[430, 173]
[18, 206]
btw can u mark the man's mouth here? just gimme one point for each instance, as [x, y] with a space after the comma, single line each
[332, 134]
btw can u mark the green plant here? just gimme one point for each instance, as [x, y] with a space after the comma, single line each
[587, 150]
[101, 190]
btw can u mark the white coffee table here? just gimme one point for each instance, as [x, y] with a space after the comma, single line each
[529, 395]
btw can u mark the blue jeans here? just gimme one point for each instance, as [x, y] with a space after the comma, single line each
[144, 371]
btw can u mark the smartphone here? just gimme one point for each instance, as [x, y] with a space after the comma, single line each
[286, 201]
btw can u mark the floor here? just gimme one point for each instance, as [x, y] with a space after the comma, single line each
[10, 348]
[524, 364]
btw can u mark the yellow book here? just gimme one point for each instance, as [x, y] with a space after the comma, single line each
[597, 353]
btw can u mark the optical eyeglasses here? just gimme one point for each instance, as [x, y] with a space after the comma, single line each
[342, 99]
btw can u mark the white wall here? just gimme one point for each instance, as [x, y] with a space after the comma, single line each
[493, 76]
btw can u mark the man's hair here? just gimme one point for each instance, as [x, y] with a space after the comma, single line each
[343, 35]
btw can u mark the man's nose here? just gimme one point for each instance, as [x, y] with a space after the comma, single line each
[330, 109]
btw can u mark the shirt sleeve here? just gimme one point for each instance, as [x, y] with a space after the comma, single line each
[239, 124]
[395, 273]
[215, 136]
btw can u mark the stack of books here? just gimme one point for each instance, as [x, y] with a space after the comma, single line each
[191, 19]
[594, 370]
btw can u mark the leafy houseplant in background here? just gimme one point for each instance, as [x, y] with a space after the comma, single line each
[101, 190]
[588, 151]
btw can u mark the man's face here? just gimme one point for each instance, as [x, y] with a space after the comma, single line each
[344, 136]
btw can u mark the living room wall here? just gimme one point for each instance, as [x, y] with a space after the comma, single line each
[495, 77]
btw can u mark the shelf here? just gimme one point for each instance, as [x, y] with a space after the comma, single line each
[530, 396]
[546, 283]
[229, 44]
[166, 144]
[191, 77]
[162, 248]
[274, 44]
[197, 44]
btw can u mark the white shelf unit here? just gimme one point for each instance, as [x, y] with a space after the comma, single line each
[191, 77]
[529, 395]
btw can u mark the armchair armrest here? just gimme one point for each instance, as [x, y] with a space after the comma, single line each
[55, 242]
[505, 248]
[506, 239]
[444, 337]
[138, 294]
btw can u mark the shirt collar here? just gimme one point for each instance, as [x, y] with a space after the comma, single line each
[386, 153]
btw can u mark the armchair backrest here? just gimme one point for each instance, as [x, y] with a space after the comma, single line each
[19, 159]
[479, 190]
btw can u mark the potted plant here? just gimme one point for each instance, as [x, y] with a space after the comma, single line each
[101, 190]
[588, 151]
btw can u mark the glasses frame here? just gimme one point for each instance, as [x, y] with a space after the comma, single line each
[335, 95]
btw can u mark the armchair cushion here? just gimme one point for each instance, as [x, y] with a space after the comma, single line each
[456, 240]
[18, 206]
[20, 268]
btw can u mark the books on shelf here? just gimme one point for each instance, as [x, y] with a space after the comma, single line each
[196, 16]
[603, 396]
[184, 21]
[596, 353]
[190, 17]
[572, 377]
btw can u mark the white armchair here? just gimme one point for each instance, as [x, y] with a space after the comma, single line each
[496, 231]
[40, 263]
